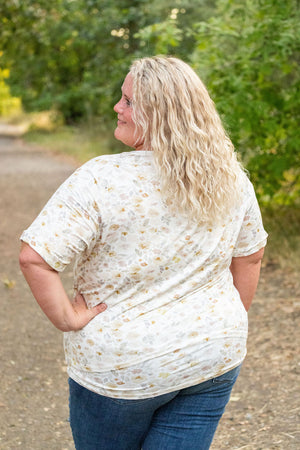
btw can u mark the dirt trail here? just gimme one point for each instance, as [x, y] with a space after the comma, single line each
[264, 409]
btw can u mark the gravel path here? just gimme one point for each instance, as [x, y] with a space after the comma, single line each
[264, 409]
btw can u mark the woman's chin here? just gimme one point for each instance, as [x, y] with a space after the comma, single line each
[117, 134]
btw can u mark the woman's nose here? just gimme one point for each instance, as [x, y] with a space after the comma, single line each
[117, 107]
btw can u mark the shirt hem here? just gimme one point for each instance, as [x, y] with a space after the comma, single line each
[141, 394]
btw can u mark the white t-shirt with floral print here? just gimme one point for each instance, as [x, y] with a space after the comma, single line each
[173, 317]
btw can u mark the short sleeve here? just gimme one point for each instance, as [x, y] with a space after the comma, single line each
[252, 236]
[69, 223]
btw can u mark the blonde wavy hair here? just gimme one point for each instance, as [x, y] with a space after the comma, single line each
[179, 123]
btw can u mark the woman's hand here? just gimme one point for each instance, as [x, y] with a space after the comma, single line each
[83, 315]
[47, 288]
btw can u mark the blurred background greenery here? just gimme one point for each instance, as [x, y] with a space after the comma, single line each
[62, 64]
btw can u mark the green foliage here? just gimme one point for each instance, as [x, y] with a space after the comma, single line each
[161, 37]
[248, 55]
[170, 34]
[62, 54]
[8, 105]
[282, 224]
[71, 56]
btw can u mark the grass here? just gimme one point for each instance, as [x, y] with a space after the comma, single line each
[282, 223]
[81, 143]
[84, 142]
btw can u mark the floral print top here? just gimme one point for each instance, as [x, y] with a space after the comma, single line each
[173, 317]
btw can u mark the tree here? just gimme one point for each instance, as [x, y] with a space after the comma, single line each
[72, 55]
[248, 55]
[8, 105]
[62, 53]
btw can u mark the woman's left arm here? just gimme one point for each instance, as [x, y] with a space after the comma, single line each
[245, 271]
[48, 290]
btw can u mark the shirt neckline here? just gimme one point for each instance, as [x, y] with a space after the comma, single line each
[143, 152]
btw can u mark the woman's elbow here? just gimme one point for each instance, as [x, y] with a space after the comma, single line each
[29, 257]
[24, 255]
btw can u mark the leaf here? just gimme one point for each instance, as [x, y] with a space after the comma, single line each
[9, 284]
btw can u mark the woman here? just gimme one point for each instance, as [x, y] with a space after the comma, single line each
[168, 241]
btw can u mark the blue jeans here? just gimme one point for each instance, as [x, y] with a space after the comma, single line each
[181, 420]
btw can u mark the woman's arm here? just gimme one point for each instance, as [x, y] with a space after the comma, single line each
[47, 288]
[245, 271]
